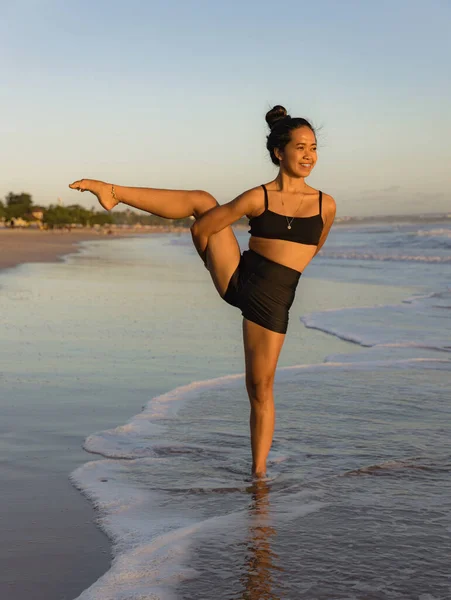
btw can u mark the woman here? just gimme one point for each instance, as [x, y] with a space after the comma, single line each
[262, 281]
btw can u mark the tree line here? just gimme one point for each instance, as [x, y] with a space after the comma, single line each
[20, 206]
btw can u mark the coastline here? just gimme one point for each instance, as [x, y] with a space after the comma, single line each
[19, 246]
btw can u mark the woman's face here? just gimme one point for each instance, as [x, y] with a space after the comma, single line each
[299, 156]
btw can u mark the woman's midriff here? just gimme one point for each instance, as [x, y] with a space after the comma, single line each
[291, 254]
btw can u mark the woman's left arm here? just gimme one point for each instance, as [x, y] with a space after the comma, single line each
[328, 215]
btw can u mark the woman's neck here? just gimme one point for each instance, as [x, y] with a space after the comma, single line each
[289, 184]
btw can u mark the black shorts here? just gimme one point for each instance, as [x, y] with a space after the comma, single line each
[264, 291]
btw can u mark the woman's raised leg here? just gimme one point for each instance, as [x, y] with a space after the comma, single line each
[169, 204]
[223, 252]
[262, 349]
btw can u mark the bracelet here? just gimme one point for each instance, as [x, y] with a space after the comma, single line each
[113, 193]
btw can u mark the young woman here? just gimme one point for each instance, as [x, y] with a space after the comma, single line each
[289, 222]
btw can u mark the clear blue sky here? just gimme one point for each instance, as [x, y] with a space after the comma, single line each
[173, 94]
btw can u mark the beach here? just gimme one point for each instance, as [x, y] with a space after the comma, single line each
[132, 323]
[33, 245]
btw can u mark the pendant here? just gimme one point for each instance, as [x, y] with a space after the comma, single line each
[289, 227]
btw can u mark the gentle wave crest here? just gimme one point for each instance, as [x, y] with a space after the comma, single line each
[357, 255]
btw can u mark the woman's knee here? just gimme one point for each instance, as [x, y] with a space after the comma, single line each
[204, 202]
[260, 388]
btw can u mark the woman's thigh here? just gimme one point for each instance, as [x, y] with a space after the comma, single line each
[261, 349]
[223, 257]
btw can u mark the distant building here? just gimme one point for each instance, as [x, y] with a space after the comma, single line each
[18, 222]
[37, 213]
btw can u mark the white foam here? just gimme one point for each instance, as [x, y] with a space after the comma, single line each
[151, 541]
[145, 554]
[390, 325]
[356, 255]
[141, 434]
[434, 233]
[418, 298]
[400, 363]
[150, 545]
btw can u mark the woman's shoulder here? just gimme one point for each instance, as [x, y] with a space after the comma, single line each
[328, 208]
[254, 196]
[255, 192]
[328, 205]
[248, 202]
[329, 202]
[251, 201]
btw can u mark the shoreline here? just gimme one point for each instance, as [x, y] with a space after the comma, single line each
[20, 246]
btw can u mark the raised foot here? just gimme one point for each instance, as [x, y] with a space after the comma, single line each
[101, 190]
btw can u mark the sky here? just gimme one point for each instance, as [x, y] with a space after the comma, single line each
[173, 94]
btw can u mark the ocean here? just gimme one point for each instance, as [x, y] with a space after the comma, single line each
[357, 502]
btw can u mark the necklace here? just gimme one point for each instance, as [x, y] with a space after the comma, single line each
[290, 221]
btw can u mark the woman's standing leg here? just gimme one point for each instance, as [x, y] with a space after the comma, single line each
[223, 251]
[261, 348]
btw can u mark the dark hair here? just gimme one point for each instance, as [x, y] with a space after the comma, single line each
[281, 125]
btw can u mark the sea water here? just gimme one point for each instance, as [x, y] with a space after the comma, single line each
[356, 504]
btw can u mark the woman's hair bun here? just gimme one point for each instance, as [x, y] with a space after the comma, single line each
[275, 114]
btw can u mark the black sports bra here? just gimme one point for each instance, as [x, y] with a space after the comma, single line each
[272, 225]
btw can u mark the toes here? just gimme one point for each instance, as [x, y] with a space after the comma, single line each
[77, 185]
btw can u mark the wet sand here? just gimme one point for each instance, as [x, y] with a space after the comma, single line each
[52, 549]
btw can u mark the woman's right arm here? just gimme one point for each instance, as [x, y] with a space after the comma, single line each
[220, 217]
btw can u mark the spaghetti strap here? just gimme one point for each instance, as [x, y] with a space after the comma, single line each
[320, 202]
[266, 197]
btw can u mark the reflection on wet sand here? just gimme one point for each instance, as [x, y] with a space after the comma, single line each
[261, 560]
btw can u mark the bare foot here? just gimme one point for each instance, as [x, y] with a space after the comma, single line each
[258, 475]
[100, 189]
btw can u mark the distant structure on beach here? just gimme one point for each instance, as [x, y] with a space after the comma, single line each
[37, 213]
